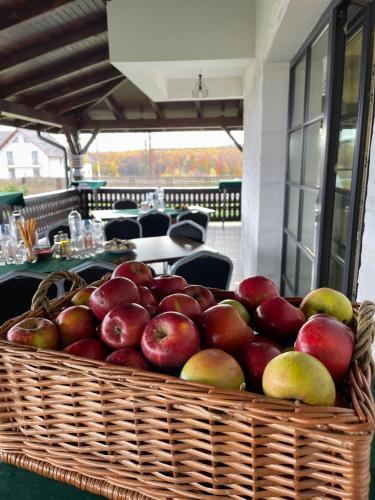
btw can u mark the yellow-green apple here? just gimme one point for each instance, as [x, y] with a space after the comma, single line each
[222, 327]
[299, 376]
[201, 294]
[328, 340]
[82, 297]
[214, 367]
[169, 340]
[254, 358]
[123, 325]
[87, 348]
[129, 357]
[181, 303]
[136, 271]
[75, 323]
[252, 291]
[240, 308]
[148, 299]
[36, 332]
[112, 293]
[329, 301]
[166, 284]
[278, 319]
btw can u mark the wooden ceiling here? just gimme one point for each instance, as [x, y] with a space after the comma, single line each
[55, 72]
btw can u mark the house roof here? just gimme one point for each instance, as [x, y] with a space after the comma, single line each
[55, 70]
[32, 136]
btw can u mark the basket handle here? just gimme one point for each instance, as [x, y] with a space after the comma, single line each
[365, 337]
[40, 298]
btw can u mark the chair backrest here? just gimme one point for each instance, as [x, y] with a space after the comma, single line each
[189, 229]
[205, 268]
[124, 204]
[196, 216]
[16, 291]
[91, 271]
[154, 223]
[62, 227]
[122, 228]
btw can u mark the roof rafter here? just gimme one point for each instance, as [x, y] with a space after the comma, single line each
[28, 11]
[54, 43]
[157, 110]
[198, 108]
[114, 107]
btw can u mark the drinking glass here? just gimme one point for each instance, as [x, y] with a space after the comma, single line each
[15, 252]
[99, 237]
[88, 238]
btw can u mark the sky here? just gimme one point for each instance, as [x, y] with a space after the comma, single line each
[159, 140]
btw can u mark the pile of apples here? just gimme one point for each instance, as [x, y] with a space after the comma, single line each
[257, 340]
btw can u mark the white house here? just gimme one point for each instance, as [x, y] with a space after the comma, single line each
[23, 154]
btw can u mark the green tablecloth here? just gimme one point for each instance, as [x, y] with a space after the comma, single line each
[12, 198]
[89, 184]
[128, 212]
[230, 184]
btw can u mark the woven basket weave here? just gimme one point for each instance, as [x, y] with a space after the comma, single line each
[129, 434]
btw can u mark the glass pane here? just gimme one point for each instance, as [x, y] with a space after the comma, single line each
[298, 92]
[295, 156]
[293, 208]
[310, 220]
[318, 75]
[336, 274]
[314, 154]
[352, 70]
[340, 224]
[290, 266]
[305, 275]
[288, 292]
[345, 155]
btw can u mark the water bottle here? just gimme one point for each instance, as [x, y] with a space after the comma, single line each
[76, 233]
[14, 220]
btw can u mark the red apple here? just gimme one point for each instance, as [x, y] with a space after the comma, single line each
[123, 325]
[136, 271]
[278, 319]
[181, 303]
[75, 323]
[36, 332]
[112, 293]
[166, 284]
[82, 297]
[147, 299]
[201, 294]
[129, 357]
[87, 348]
[265, 340]
[255, 357]
[328, 340]
[223, 328]
[169, 340]
[252, 291]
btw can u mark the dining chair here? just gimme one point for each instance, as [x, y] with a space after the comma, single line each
[122, 228]
[196, 216]
[17, 289]
[91, 271]
[154, 223]
[205, 268]
[55, 230]
[124, 204]
[189, 229]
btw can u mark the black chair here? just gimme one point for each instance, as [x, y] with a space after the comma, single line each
[64, 228]
[205, 268]
[17, 288]
[196, 216]
[122, 228]
[189, 229]
[90, 271]
[154, 223]
[124, 204]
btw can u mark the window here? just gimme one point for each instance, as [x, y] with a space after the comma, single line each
[10, 158]
[12, 173]
[36, 172]
[35, 157]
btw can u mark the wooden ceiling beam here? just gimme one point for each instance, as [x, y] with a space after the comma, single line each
[158, 124]
[198, 108]
[11, 17]
[44, 47]
[157, 110]
[79, 84]
[106, 92]
[240, 107]
[114, 108]
[57, 70]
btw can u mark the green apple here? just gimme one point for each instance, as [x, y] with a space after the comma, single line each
[297, 375]
[240, 308]
[328, 301]
[214, 367]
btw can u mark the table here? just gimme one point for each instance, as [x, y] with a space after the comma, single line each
[13, 198]
[148, 250]
[227, 186]
[93, 185]
[133, 213]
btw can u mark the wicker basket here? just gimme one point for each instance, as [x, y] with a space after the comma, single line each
[128, 434]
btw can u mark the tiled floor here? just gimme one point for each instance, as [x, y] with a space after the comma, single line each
[227, 240]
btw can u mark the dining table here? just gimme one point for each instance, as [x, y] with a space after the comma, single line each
[149, 250]
[133, 213]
